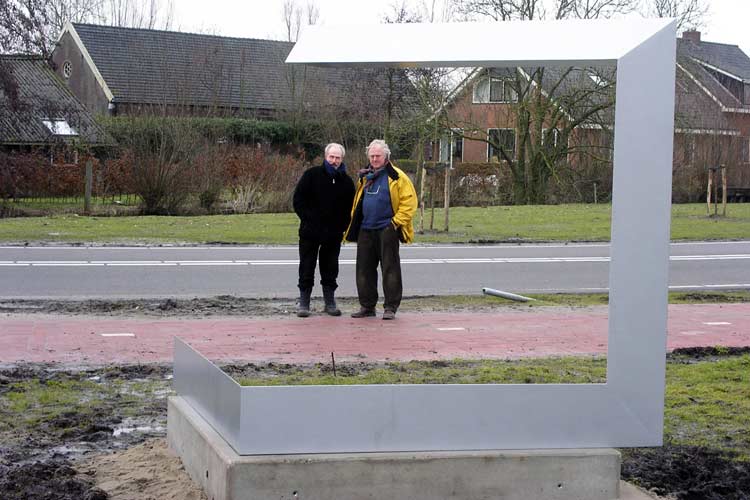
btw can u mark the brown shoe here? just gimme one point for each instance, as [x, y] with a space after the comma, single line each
[388, 314]
[364, 313]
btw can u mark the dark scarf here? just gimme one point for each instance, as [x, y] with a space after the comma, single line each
[333, 171]
[370, 174]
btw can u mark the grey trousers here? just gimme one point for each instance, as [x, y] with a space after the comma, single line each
[379, 247]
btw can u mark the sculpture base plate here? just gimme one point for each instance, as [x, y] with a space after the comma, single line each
[586, 474]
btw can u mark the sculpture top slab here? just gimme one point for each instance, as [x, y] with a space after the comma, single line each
[511, 43]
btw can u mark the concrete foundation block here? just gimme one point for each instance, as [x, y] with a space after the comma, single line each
[582, 474]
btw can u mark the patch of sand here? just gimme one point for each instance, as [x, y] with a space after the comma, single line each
[148, 471]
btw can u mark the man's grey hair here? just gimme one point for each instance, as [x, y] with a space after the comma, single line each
[382, 145]
[335, 145]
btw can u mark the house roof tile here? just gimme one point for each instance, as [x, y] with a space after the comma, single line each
[143, 66]
[41, 96]
[729, 58]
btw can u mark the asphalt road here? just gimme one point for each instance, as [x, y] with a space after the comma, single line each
[265, 271]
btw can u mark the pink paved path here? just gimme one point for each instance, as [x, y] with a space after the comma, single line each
[508, 334]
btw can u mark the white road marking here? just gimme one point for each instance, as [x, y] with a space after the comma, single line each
[726, 285]
[416, 246]
[295, 262]
[117, 334]
[452, 329]
[716, 323]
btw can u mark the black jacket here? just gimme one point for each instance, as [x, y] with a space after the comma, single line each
[323, 203]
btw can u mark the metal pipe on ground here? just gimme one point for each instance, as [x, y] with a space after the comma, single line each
[505, 295]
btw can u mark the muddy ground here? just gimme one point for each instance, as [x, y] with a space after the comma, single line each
[109, 442]
[96, 433]
[228, 305]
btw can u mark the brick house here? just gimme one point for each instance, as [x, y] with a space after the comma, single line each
[712, 116]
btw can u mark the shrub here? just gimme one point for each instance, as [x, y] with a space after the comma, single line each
[33, 174]
[260, 181]
[162, 153]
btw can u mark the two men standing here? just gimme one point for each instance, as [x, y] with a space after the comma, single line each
[378, 217]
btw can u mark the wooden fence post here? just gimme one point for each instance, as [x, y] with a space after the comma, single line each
[89, 181]
[724, 190]
[708, 191]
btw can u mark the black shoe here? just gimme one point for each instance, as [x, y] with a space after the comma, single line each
[303, 312]
[303, 306]
[332, 310]
[330, 302]
[388, 314]
[364, 313]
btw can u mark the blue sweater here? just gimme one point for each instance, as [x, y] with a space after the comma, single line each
[377, 210]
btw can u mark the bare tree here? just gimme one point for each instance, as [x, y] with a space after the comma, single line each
[296, 75]
[689, 13]
[25, 27]
[292, 15]
[508, 10]
[594, 9]
[296, 18]
[150, 14]
[313, 13]
[33, 26]
[543, 105]
[75, 11]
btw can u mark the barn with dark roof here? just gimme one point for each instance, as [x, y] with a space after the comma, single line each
[120, 71]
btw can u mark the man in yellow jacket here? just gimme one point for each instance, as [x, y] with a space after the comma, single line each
[382, 213]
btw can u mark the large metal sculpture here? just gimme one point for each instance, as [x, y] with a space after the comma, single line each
[627, 410]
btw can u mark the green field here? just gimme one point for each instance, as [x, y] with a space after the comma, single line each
[707, 399]
[491, 224]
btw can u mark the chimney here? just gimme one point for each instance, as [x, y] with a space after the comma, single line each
[692, 35]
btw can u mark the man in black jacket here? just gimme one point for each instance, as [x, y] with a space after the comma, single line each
[322, 200]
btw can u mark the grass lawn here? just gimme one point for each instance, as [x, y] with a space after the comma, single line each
[707, 399]
[491, 224]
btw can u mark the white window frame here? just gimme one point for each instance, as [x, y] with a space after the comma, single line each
[458, 135]
[489, 146]
[556, 136]
[67, 69]
[60, 127]
[488, 80]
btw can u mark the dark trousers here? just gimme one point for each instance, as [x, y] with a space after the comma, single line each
[310, 251]
[375, 248]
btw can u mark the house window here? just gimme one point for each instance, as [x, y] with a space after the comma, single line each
[59, 127]
[494, 89]
[550, 137]
[504, 138]
[599, 80]
[458, 146]
[745, 150]
[67, 69]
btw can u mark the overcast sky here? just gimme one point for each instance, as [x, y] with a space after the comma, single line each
[728, 21]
